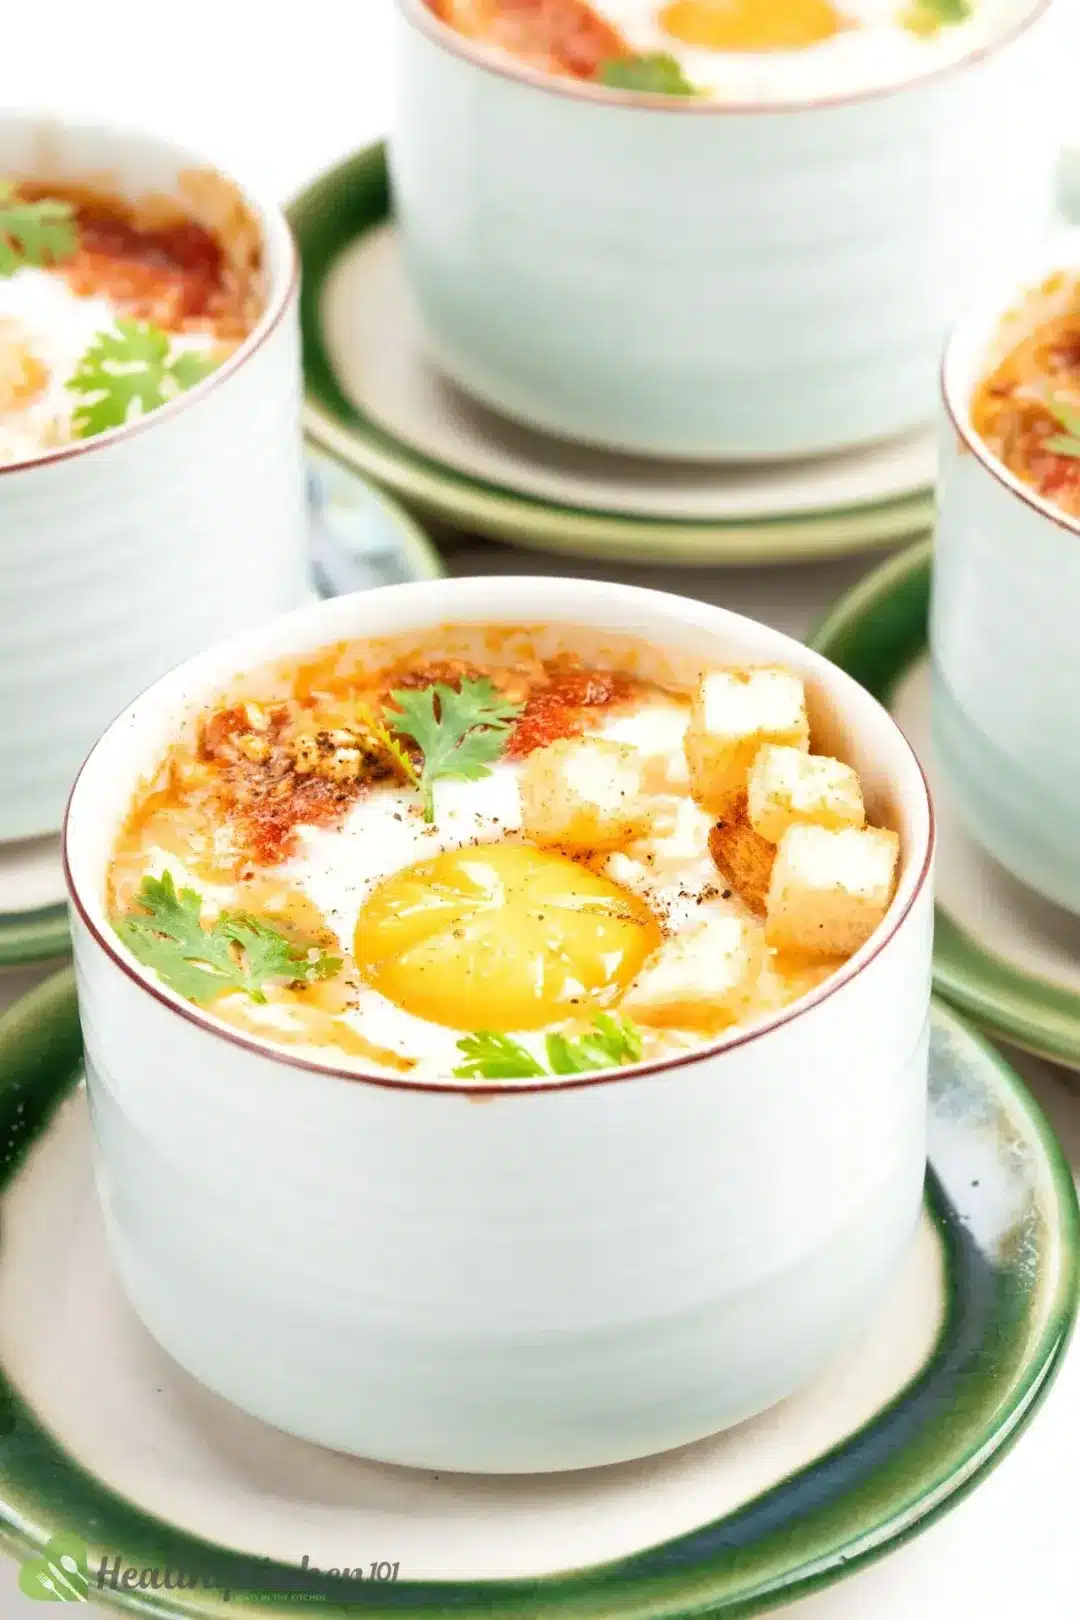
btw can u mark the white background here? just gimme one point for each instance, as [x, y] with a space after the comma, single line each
[276, 93]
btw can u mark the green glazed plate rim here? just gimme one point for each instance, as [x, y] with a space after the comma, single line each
[353, 197]
[41, 934]
[1007, 1324]
[876, 632]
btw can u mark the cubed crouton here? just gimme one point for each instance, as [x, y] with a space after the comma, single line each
[703, 979]
[787, 787]
[583, 793]
[787, 977]
[743, 858]
[830, 888]
[735, 712]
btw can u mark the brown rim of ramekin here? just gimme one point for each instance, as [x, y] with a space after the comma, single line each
[982, 452]
[423, 18]
[887, 931]
[265, 326]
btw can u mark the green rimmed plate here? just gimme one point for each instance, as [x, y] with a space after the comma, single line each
[360, 538]
[33, 914]
[375, 402]
[1001, 954]
[105, 1444]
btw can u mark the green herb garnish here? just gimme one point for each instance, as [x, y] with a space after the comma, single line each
[34, 232]
[610, 1043]
[496, 1057]
[238, 952]
[928, 17]
[657, 73]
[459, 733]
[126, 373]
[1067, 443]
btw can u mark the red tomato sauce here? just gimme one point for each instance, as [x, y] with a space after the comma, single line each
[566, 37]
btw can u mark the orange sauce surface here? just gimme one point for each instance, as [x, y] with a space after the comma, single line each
[564, 37]
[258, 772]
[1013, 411]
[173, 271]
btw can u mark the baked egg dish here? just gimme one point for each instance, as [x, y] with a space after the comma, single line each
[734, 50]
[1027, 409]
[497, 866]
[112, 306]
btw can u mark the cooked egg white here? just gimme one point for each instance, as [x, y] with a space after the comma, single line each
[779, 50]
[462, 925]
[41, 316]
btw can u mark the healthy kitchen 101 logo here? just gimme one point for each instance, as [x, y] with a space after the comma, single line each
[59, 1575]
[62, 1574]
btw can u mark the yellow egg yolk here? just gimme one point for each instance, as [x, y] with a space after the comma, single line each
[501, 937]
[751, 25]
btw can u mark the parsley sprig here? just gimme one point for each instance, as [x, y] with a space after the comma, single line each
[37, 233]
[238, 952]
[1067, 443]
[610, 1043]
[928, 17]
[460, 733]
[127, 372]
[655, 73]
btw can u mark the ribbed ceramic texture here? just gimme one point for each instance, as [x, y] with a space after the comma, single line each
[103, 1439]
[134, 552]
[1003, 640]
[1006, 653]
[729, 284]
[540, 1279]
[123, 561]
[544, 1282]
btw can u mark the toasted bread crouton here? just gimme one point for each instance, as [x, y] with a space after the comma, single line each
[584, 793]
[787, 787]
[743, 858]
[787, 977]
[735, 712]
[830, 888]
[703, 979]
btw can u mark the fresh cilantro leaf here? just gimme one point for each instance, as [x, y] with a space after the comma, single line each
[190, 368]
[611, 1043]
[33, 232]
[460, 733]
[127, 372]
[928, 17]
[656, 73]
[1067, 443]
[266, 954]
[238, 952]
[496, 1057]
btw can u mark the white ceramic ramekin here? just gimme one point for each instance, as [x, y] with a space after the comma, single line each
[533, 1275]
[121, 555]
[700, 280]
[1005, 615]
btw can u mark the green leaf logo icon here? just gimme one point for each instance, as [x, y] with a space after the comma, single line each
[59, 1575]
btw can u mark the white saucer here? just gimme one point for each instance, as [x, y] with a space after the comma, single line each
[108, 1451]
[372, 328]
